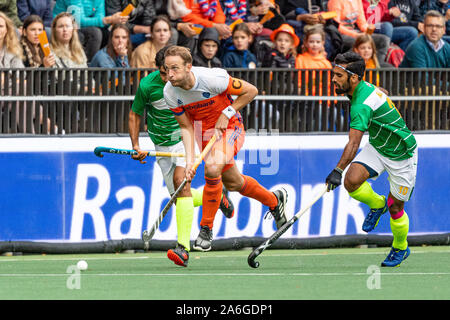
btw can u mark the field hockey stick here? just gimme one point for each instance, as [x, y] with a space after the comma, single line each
[255, 253]
[148, 234]
[98, 152]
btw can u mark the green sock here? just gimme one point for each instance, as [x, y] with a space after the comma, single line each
[185, 215]
[197, 195]
[400, 228]
[365, 194]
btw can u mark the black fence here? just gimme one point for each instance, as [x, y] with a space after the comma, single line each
[73, 101]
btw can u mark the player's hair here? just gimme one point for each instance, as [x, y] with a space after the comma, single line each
[159, 58]
[182, 52]
[355, 63]
[11, 41]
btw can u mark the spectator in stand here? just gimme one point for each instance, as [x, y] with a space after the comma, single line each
[365, 47]
[208, 14]
[313, 54]
[285, 51]
[91, 20]
[34, 57]
[65, 44]
[9, 8]
[407, 13]
[144, 55]
[378, 13]
[259, 8]
[41, 8]
[242, 9]
[140, 18]
[441, 6]
[33, 54]
[117, 52]
[238, 54]
[429, 50]
[208, 46]
[299, 13]
[302, 13]
[10, 57]
[352, 22]
[11, 54]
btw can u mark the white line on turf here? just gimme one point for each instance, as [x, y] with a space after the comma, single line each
[224, 274]
[268, 254]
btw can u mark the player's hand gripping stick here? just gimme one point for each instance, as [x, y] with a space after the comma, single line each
[334, 178]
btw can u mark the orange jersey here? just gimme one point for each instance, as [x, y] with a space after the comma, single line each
[205, 101]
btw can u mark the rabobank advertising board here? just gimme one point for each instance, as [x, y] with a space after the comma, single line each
[56, 189]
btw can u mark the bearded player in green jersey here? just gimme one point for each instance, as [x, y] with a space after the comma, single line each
[165, 134]
[392, 148]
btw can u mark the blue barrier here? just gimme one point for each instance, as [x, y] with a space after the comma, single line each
[55, 190]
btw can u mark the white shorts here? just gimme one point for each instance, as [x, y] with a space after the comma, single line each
[168, 164]
[402, 174]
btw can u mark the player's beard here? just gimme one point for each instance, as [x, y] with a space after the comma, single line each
[344, 89]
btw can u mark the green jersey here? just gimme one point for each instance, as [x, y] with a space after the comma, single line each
[373, 111]
[162, 127]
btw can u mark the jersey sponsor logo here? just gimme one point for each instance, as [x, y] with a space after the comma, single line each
[199, 105]
[206, 95]
[180, 102]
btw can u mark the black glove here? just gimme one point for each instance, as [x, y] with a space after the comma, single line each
[334, 179]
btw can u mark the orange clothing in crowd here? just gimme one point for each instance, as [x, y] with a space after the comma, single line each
[307, 61]
[196, 16]
[370, 64]
[349, 13]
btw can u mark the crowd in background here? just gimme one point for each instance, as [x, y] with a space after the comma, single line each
[225, 33]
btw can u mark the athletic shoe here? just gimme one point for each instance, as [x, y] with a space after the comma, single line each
[373, 217]
[279, 211]
[204, 239]
[395, 257]
[179, 255]
[226, 206]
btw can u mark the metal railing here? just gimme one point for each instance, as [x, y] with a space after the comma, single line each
[94, 100]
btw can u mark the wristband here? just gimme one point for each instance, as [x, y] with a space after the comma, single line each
[229, 112]
[339, 170]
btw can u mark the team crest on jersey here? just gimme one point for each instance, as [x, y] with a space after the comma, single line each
[206, 94]
[179, 101]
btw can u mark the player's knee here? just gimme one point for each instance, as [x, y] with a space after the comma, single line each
[177, 181]
[213, 170]
[351, 182]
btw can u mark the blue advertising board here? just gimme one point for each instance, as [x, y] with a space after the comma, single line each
[56, 189]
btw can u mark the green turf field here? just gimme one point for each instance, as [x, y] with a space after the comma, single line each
[283, 274]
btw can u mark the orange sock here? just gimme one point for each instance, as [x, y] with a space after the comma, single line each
[212, 193]
[253, 189]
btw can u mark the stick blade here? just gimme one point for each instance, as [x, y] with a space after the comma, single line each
[251, 259]
[98, 152]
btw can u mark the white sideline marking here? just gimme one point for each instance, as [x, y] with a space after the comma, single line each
[334, 274]
[267, 254]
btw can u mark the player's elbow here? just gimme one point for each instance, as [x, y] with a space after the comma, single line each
[252, 91]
